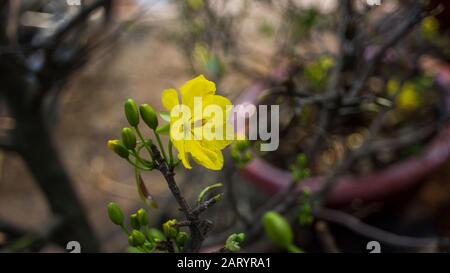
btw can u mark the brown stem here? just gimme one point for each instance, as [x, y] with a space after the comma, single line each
[197, 236]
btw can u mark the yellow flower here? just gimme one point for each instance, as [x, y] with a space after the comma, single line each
[408, 99]
[392, 87]
[199, 122]
[430, 27]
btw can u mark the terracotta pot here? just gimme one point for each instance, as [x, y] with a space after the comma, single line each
[396, 178]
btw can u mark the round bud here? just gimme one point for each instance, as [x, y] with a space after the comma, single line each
[128, 138]
[131, 112]
[142, 217]
[149, 116]
[134, 222]
[155, 235]
[131, 241]
[138, 237]
[117, 147]
[277, 229]
[170, 229]
[115, 214]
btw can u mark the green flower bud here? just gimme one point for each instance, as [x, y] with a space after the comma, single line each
[131, 112]
[278, 229]
[131, 241]
[156, 235]
[149, 116]
[134, 222]
[117, 147]
[170, 229]
[242, 144]
[138, 238]
[233, 241]
[142, 217]
[128, 138]
[115, 214]
[181, 239]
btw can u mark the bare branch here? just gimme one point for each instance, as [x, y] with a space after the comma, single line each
[197, 234]
[75, 21]
[414, 18]
[364, 229]
[326, 238]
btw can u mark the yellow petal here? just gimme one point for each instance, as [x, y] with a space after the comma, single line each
[182, 153]
[209, 158]
[170, 98]
[227, 138]
[214, 123]
[220, 101]
[197, 87]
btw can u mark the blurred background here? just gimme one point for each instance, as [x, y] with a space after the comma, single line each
[363, 94]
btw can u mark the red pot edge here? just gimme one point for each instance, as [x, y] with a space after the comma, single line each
[394, 179]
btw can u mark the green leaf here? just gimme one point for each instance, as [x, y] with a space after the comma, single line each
[144, 194]
[164, 129]
[203, 193]
[155, 235]
[165, 116]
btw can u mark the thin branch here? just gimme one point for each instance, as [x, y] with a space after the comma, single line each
[326, 238]
[408, 24]
[332, 88]
[75, 21]
[357, 226]
[197, 234]
[204, 206]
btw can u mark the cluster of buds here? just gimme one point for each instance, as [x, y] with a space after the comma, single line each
[132, 143]
[132, 140]
[143, 238]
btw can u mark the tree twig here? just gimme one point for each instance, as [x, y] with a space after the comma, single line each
[326, 238]
[397, 35]
[369, 231]
[197, 234]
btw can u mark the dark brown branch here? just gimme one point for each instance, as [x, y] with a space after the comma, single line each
[326, 238]
[204, 206]
[364, 229]
[332, 88]
[76, 20]
[197, 235]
